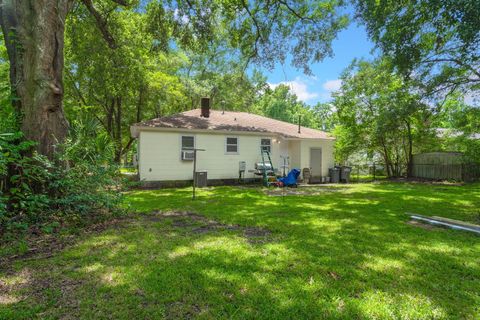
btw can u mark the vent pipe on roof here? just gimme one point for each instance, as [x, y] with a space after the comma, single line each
[299, 122]
[205, 107]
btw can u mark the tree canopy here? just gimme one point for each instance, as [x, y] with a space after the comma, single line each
[378, 112]
[435, 41]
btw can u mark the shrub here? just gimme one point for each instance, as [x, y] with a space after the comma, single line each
[37, 192]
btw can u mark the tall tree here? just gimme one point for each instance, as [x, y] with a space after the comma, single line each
[122, 86]
[34, 36]
[325, 115]
[33, 32]
[6, 114]
[460, 128]
[282, 104]
[436, 41]
[261, 31]
[379, 112]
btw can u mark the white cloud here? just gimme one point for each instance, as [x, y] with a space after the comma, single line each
[299, 87]
[329, 87]
[332, 85]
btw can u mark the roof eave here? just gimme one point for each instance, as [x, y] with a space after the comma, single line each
[135, 130]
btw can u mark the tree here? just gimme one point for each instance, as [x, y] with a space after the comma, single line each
[258, 30]
[435, 41]
[7, 122]
[378, 112]
[34, 36]
[460, 124]
[281, 104]
[325, 113]
[123, 86]
[147, 82]
[222, 76]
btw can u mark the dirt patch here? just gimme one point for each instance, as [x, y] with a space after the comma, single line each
[426, 181]
[199, 224]
[12, 283]
[31, 284]
[184, 310]
[46, 246]
[257, 235]
[255, 232]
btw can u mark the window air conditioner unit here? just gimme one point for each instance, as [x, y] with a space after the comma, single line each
[188, 155]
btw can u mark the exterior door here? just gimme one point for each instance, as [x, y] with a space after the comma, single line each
[316, 163]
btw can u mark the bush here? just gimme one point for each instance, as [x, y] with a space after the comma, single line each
[36, 192]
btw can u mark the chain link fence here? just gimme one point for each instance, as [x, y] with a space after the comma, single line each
[367, 172]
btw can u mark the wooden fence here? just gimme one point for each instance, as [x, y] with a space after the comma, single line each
[471, 172]
[444, 166]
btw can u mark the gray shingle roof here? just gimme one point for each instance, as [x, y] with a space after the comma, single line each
[231, 121]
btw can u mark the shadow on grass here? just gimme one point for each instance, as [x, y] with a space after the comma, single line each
[347, 255]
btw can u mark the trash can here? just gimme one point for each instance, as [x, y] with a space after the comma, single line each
[345, 174]
[334, 174]
[201, 178]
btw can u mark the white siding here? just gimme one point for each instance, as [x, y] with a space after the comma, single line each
[295, 154]
[328, 160]
[160, 155]
[299, 152]
[284, 152]
[160, 160]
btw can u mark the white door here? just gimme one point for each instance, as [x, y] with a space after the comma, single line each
[316, 163]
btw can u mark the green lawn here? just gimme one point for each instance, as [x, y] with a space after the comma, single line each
[331, 253]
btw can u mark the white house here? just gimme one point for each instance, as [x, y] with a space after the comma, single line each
[228, 139]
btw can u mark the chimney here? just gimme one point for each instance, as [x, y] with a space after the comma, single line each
[205, 105]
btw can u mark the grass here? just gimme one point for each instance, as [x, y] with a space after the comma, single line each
[339, 252]
[364, 178]
[128, 170]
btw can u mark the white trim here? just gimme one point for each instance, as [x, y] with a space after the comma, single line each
[139, 159]
[188, 135]
[270, 145]
[181, 145]
[238, 145]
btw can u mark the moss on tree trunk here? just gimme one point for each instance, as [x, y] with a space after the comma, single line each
[34, 36]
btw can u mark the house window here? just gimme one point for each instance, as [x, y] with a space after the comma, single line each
[266, 145]
[231, 145]
[188, 142]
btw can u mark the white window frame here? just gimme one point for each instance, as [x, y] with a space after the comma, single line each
[264, 145]
[189, 136]
[226, 144]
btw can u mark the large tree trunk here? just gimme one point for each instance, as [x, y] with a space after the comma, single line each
[34, 36]
[388, 164]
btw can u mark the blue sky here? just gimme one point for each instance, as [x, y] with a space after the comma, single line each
[351, 43]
